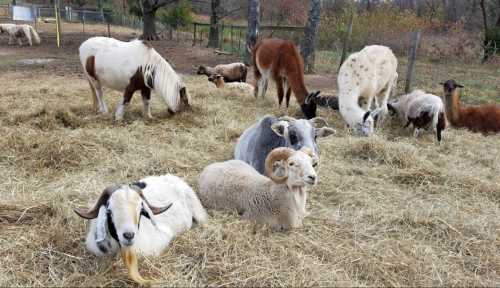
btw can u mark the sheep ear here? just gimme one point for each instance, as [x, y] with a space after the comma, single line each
[324, 132]
[459, 85]
[279, 128]
[441, 83]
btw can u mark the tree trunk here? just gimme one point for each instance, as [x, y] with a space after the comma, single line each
[487, 42]
[149, 29]
[213, 36]
[253, 29]
[309, 43]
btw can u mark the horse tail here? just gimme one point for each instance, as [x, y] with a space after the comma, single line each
[34, 35]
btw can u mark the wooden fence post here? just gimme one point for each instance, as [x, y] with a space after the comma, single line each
[347, 40]
[412, 56]
[194, 34]
[232, 48]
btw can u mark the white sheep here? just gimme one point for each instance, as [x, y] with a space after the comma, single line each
[219, 82]
[367, 75]
[278, 201]
[116, 220]
[421, 110]
[233, 72]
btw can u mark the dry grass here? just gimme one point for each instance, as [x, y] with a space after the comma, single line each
[389, 210]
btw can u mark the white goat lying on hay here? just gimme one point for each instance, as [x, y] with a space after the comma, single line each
[20, 31]
[279, 201]
[128, 67]
[117, 222]
[421, 110]
[367, 75]
[219, 82]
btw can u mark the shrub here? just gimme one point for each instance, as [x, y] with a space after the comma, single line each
[176, 15]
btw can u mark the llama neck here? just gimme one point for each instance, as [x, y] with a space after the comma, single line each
[296, 80]
[453, 106]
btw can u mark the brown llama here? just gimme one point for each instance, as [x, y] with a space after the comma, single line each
[281, 60]
[484, 119]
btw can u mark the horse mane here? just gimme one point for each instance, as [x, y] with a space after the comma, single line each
[160, 77]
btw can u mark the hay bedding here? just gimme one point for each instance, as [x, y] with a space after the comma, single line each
[389, 210]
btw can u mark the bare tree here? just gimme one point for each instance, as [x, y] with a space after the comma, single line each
[213, 36]
[309, 43]
[149, 8]
[253, 28]
[217, 14]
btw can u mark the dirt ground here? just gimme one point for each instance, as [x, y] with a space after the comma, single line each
[389, 210]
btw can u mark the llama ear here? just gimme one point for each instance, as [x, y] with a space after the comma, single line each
[367, 114]
[279, 128]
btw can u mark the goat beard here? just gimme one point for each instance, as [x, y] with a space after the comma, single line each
[130, 260]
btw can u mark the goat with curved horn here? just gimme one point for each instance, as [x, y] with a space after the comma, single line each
[116, 222]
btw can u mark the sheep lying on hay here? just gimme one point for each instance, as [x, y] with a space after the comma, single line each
[279, 201]
[421, 110]
[117, 222]
[128, 67]
[20, 31]
[233, 72]
[484, 119]
[365, 76]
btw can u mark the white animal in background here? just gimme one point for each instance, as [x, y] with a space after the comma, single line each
[421, 110]
[243, 87]
[128, 67]
[279, 201]
[19, 32]
[141, 218]
[365, 78]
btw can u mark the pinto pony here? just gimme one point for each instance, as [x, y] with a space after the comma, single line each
[20, 31]
[281, 60]
[484, 119]
[128, 67]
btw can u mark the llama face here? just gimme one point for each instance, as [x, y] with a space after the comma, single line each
[450, 85]
[365, 128]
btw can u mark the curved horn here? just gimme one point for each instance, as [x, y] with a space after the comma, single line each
[154, 209]
[94, 211]
[317, 121]
[286, 118]
[281, 153]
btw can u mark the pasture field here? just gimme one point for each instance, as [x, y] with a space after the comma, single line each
[389, 210]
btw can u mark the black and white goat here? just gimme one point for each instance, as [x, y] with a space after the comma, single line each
[141, 218]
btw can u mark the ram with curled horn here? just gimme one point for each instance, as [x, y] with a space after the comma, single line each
[278, 200]
[141, 219]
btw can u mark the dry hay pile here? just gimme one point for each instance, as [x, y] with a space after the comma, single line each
[389, 210]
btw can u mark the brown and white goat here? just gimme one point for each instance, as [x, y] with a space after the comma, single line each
[219, 82]
[281, 60]
[233, 72]
[484, 119]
